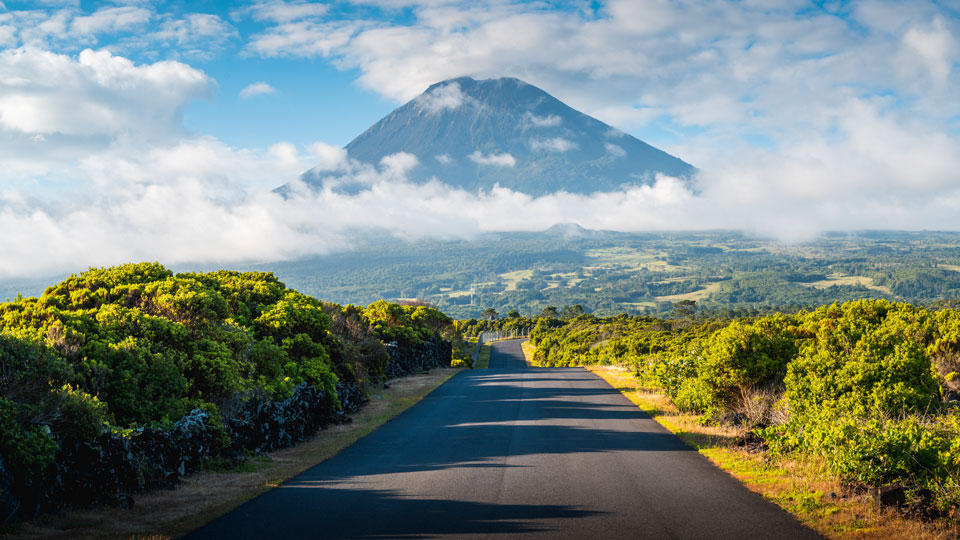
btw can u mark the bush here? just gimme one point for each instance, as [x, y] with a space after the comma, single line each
[81, 415]
[866, 357]
[135, 348]
[695, 395]
[742, 356]
[919, 451]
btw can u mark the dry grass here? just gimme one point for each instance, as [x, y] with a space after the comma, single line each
[845, 280]
[206, 495]
[528, 350]
[697, 295]
[512, 278]
[803, 488]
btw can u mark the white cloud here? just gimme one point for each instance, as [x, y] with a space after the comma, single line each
[195, 35]
[328, 157]
[555, 144]
[550, 120]
[284, 12]
[934, 49]
[93, 94]
[114, 19]
[257, 89]
[8, 35]
[441, 98]
[444, 159]
[399, 164]
[498, 160]
[303, 38]
[124, 29]
[614, 150]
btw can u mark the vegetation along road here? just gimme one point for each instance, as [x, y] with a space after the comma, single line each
[511, 451]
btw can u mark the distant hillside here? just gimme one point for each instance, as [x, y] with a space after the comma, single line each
[476, 134]
[639, 273]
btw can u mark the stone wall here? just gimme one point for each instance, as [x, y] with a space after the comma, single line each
[408, 360]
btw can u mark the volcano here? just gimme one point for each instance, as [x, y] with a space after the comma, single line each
[476, 134]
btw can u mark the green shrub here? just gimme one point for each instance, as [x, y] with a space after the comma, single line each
[743, 356]
[695, 395]
[922, 451]
[867, 356]
[27, 446]
[136, 345]
[82, 415]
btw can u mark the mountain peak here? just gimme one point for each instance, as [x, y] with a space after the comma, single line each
[476, 134]
[568, 230]
[470, 81]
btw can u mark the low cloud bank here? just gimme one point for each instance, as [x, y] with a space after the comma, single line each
[118, 179]
[200, 201]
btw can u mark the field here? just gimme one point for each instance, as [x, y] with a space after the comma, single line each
[635, 273]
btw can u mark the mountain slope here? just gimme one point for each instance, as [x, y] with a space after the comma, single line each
[476, 134]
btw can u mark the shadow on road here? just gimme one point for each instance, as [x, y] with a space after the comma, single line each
[312, 511]
[422, 474]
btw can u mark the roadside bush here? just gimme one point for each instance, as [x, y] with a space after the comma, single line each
[866, 357]
[120, 367]
[37, 405]
[922, 452]
[744, 356]
[695, 395]
[858, 386]
[670, 370]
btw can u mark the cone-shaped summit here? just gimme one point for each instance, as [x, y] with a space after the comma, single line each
[475, 134]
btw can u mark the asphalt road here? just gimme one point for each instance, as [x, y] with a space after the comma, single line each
[513, 452]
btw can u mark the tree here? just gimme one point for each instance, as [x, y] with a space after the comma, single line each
[685, 309]
[490, 314]
[550, 312]
[572, 312]
[513, 314]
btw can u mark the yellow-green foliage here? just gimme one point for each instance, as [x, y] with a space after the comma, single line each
[865, 356]
[151, 345]
[743, 356]
[861, 385]
[405, 324]
[135, 345]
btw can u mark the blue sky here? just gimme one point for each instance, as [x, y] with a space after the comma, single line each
[156, 130]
